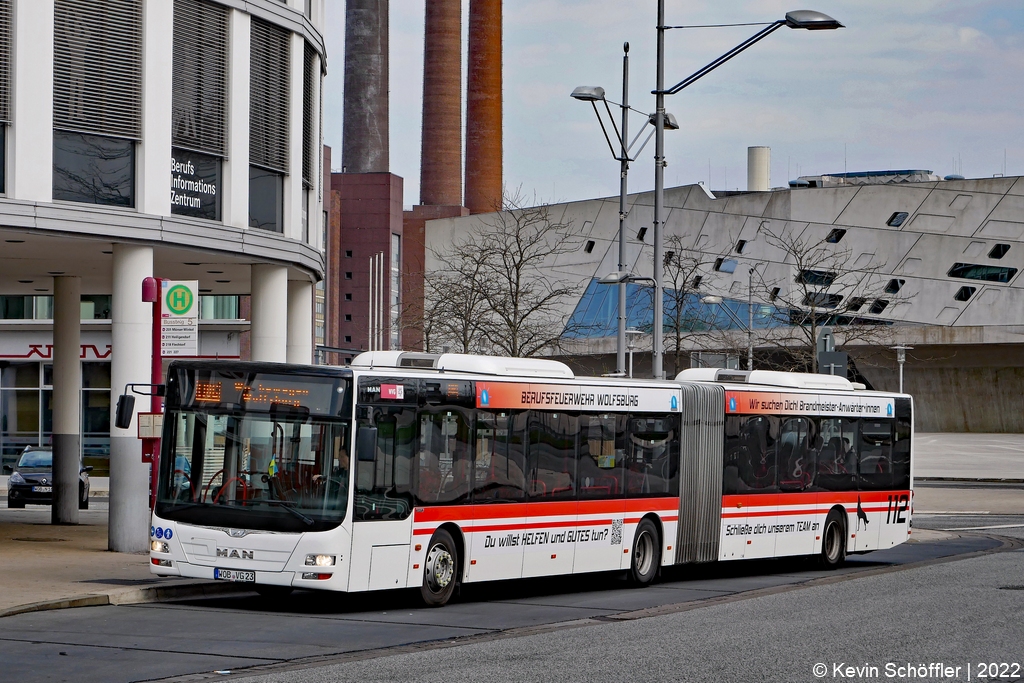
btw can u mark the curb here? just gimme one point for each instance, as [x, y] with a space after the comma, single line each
[130, 596]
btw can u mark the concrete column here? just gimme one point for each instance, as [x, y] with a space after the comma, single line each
[30, 140]
[293, 180]
[483, 108]
[300, 321]
[441, 146]
[67, 393]
[364, 136]
[131, 360]
[235, 201]
[154, 151]
[269, 330]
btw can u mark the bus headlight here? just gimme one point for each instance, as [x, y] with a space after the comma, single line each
[319, 560]
[159, 547]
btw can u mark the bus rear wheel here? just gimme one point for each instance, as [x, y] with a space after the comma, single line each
[646, 553]
[439, 569]
[833, 541]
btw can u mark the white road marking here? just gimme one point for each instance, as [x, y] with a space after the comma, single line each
[982, 528]
[932, 513]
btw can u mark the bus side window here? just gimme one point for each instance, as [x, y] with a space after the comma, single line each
[382, 484]
[731, 483]
[837, 455]
[652, 463]
[551, 459]
[757, 453]
[443, 465]
[875, 465]
[602, 455]
[796, 454]
[901, 447]
[498, 464]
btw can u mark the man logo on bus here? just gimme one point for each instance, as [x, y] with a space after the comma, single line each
[485, 399]
[732, 404]
[179, 299]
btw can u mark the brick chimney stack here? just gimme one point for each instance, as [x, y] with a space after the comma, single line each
[483, 108]
[441, 151]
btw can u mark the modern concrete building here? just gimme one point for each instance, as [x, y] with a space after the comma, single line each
[177, 139]
[951, 249]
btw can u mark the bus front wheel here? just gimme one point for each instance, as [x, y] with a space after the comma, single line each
[646, 553]
[833, 541]
[439, 569]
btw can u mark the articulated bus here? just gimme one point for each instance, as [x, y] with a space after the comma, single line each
[409, 470]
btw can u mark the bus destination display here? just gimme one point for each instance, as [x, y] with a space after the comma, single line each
[260, 392]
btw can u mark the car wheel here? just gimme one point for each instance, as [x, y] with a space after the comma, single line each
[833, 541]
[646, 553]
[440, 570]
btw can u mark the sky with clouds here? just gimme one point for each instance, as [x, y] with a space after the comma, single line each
[930, 84]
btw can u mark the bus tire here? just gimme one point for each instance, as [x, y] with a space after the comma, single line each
[646, 553]
[274, 592]
[833, 541]
[440, 569]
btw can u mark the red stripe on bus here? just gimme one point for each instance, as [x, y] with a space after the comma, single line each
[820, 497]
[789, 512]
[541, 525]
[457, 513]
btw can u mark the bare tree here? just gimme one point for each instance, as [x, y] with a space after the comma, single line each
[688, 324]
[827, 289]
[495, 291]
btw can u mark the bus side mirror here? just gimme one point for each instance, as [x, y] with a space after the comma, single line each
[8, 468]
[125, 410]
[366, 444]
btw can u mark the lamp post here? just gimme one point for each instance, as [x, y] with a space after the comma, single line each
[595, 94]
[805, 19]
[901, 358]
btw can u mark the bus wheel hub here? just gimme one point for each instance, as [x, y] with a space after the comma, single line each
[440, 567]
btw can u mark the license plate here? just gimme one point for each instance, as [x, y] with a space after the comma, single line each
[42, 489]
[238, 575]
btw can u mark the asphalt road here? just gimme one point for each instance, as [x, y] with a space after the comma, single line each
[194, 639]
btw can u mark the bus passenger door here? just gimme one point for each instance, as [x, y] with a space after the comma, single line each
[499, 497]
[750, 511]
[601, 509]
[794, 526]
[549, 543]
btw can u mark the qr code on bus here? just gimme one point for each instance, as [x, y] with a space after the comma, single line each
[616, 532]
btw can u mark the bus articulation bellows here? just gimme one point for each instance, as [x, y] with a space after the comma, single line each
[416, 470]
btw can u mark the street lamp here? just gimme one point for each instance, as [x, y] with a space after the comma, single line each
[595, 94]
[805, 19]
[711, 299]
[901, 358]
[631, 336]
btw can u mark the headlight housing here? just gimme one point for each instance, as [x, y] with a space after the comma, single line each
[159, 547]
[319, 560]
[16, 478]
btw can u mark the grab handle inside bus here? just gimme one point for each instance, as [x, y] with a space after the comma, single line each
[366, 444]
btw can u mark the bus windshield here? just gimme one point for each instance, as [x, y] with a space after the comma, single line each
[276, 471]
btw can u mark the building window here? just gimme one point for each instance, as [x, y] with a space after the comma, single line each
[218, 307]
[396, 290]
[971, 271]
[348, 253]
[589, 247]
[894, 286]
[696, 281]
[348, 317]
[198, 107]
[309, 119]
[5, 86]
[348, 339]
[856, 303]
[266, 199]
[822, 299]
[774, 293]
[97, 100]
[640, 234]
[270, 66]
[93, 169]
[818, 278]
[878, 306]
[964, 293]
[739, 246]
[725, 265]
[835, 236]
[896, 220]
[999, 251]
[348, 275]
[348, 296]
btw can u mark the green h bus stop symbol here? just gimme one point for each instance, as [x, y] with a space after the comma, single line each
[179, 299]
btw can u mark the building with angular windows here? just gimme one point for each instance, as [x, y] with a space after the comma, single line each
[935, 261]
[177, 139]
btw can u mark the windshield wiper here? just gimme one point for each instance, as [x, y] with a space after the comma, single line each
[287, 505]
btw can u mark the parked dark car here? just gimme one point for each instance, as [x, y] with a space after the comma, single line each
[31, 479]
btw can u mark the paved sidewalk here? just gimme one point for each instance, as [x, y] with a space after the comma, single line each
[969, 456]
[47, 567]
